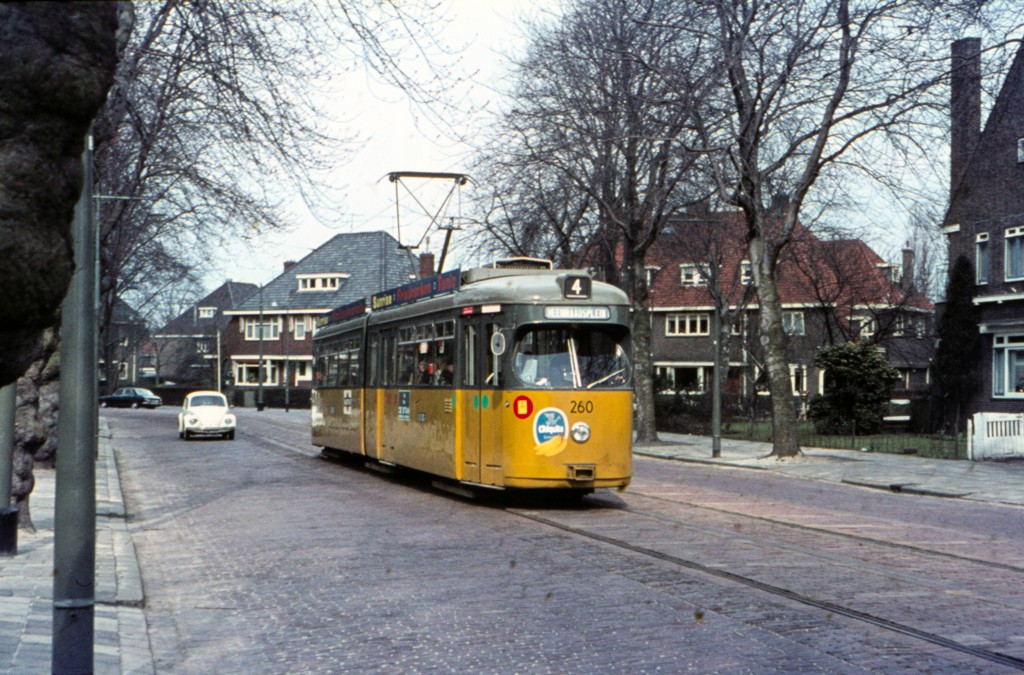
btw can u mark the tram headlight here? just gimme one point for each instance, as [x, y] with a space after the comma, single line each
[580, 432]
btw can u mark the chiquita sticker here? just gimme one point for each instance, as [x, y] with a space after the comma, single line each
[551, 431]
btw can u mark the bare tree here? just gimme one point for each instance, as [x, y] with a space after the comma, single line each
[810, 89]
[214, 120]
[594, 112]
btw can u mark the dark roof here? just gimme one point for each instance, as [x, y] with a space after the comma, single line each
[372, 261]
[227, 296]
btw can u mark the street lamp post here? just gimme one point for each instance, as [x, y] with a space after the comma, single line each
[259, 378]
[287, 368]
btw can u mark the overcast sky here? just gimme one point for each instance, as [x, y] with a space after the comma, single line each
[396, 138]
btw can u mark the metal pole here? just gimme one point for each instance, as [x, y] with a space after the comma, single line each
[219, 368]
[8, 513]
[74, 552]
[716, 390]
[287, 367]
[259, 384]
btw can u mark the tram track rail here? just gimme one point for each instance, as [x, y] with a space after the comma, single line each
[995, 565]
[798, 597]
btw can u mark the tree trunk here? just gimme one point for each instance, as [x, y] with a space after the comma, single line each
[785, 442]
[643, 369]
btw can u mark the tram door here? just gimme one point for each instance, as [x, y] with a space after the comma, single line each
[479, 415]
[372, 394]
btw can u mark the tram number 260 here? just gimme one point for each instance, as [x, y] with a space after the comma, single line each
[580, 407]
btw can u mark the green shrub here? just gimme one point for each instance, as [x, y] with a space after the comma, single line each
[858, 385]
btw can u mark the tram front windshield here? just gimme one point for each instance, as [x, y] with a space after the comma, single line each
[562, 357]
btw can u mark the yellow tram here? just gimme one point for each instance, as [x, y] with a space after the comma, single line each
[499, 377]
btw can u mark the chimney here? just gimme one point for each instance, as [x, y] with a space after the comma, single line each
[426, 265]
[965, 107]
[907, 280]
[288, 264]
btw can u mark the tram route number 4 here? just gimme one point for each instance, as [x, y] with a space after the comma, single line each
[576, 287]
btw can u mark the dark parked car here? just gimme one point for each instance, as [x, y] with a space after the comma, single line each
[131, 397]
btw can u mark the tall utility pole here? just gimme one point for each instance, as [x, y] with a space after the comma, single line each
[74, 528]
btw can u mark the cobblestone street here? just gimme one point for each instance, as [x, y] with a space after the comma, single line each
[257, 558]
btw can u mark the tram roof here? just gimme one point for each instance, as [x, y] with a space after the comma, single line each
[490, 286]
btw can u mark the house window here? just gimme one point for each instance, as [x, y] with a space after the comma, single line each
[798, 378]
[271, 328]
[300, 328]
[651, 272]
[321, 282]
[981, 258]
[1008, 365]
[745, 272]
[690, 276]
[1015, 253]
[1020, 151]
[207, 312]
[249, 373]
[866, 327]
[793, 323]
[688, 324]
[203, 347]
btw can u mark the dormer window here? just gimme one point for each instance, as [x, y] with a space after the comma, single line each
[207, 312]
[746, 273]
[690, 276]
[321, 282]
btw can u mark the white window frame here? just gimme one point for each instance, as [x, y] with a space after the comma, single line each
[793, 322]
[207, 312]
[299, 327]
[320, 282]
[688, 324]
[981, 258]
[242, 371]
[1014, 239]
[1007, 351]
[271, 331]
[796, 369]
[690, 275]
[746, 273]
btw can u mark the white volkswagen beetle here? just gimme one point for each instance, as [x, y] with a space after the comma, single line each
[205, 413]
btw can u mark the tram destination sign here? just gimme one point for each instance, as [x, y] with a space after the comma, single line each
[343, 313]
[448, 282]
[577, 313]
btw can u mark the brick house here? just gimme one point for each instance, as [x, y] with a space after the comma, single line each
[188, 349]
[832, 292]
[985, 219]
[344, 269]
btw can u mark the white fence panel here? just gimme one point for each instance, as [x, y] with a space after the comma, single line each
[996, 436]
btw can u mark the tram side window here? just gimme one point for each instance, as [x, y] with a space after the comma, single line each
[408, 353]
[492, 366]
[352, 354]
[469, 369]
[389, 357]
[333, 369]
[320, 371]
[443, 353]
[371, 361]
